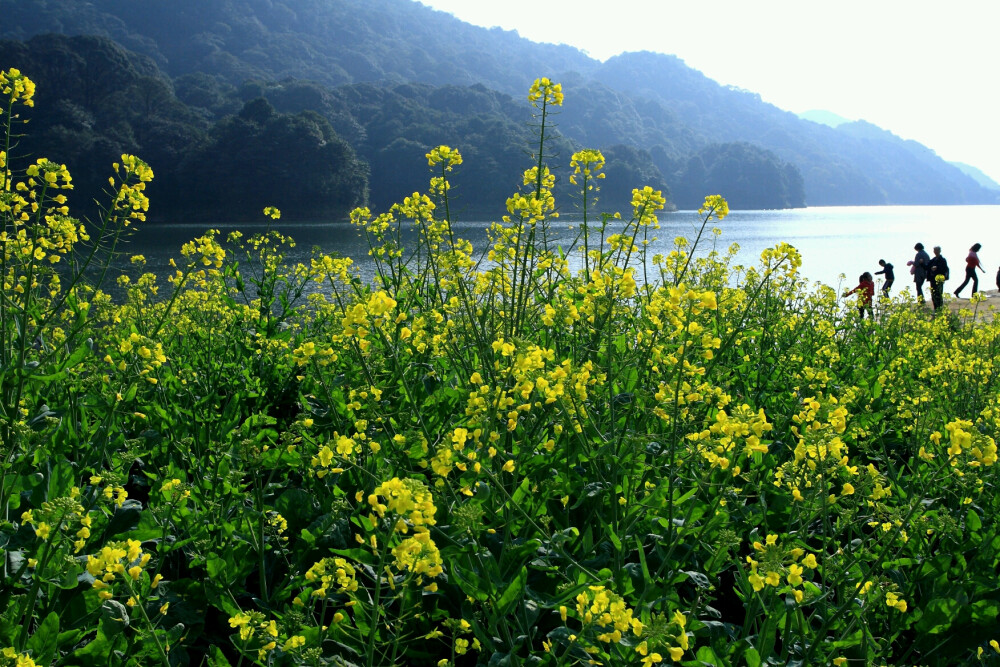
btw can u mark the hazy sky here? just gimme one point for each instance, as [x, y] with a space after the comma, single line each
[927, 71]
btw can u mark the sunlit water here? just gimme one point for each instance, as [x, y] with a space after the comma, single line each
[833, 240]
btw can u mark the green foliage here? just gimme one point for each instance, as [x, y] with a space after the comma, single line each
[551, 455]
[271, 158]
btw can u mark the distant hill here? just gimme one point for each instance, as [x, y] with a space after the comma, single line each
[838, 167]
[976, 175]
[671, 124]
[827, 118]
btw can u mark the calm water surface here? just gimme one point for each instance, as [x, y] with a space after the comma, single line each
[833, 240]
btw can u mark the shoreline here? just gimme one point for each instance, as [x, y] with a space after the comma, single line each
[983, 311]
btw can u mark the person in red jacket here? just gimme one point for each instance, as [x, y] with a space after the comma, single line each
[865, 291]
[971, 264]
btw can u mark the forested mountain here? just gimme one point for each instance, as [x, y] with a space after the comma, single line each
[96, 101]
[385, 81]
[222, 152]
[329, 41]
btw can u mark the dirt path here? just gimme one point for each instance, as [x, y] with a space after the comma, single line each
[986, 310]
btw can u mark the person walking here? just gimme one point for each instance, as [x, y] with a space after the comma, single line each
[971, 264]
[937, 273]
[890, 277]
[865, 291]
[918, 267]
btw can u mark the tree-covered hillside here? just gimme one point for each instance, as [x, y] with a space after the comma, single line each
[97, 101]
[329, 41]
[671, 115]
[222, 152]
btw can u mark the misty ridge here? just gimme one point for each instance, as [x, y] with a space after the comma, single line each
[318, 106]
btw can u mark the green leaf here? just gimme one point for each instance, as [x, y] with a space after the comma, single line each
[751, 657]
[642, 559]
[44, 642]
[175, 633]
[522, 493]
[708, 656]
[699, 579]
[62, 478]
[114, 618]
[51, 377]
[70, 637]
[216, 658]
[939, 614]
[297, 506]
[220, 570]
[499, 659]
[125, 518]
[358, 555]
[614, 538]
[94, 653]
[10, 620]
[29, 482]
[985, 612]
[773, 619]
[79, 354]
[471, 583]
[973, 522]
[513, 592]
[68, 577]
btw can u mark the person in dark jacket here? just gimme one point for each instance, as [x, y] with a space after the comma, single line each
[890, 277]
[937, 273]
[919, 269]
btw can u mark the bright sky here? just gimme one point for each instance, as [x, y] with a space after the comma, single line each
[923, 70]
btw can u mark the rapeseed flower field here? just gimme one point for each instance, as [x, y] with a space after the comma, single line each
[532, 453]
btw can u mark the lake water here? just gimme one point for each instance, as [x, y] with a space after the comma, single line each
[833, 240]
